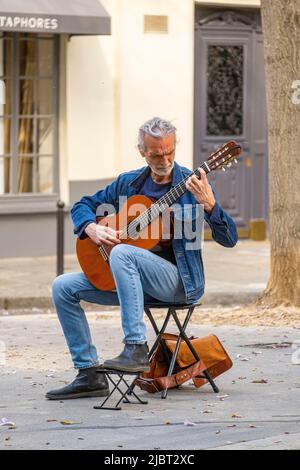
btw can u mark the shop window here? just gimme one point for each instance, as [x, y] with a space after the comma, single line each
[28, 114]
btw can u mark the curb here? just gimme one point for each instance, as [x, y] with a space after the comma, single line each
[209, 299]
[226, 298]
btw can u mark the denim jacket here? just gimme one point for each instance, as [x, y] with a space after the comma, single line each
[189, 262]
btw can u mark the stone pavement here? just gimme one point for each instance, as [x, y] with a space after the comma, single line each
[233, 275]
[258, 406]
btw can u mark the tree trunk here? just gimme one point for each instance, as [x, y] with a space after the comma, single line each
[281, 30]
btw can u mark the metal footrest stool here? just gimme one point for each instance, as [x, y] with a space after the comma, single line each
[172, 313]
[116, 378]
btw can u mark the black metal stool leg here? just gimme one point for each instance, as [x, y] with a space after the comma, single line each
[158, 339]
[211, 381]
[192, 349]
[181, 328]
[131, 392]
[158, 333]
[164, 393]
[116, 387]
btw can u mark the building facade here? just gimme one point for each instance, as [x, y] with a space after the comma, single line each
[76, 93]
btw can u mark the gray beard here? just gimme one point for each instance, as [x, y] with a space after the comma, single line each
[160, 172]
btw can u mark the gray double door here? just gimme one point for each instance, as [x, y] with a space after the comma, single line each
[230, 103]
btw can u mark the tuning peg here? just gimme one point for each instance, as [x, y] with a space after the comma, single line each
[223, 169]
[235, 160]
[229, 165]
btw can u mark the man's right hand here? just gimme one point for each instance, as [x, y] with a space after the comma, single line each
[101, 234]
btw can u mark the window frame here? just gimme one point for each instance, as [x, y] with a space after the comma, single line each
[14, 202]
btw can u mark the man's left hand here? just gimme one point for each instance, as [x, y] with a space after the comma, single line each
[201, 190]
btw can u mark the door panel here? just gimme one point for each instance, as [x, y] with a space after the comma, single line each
[230, 104]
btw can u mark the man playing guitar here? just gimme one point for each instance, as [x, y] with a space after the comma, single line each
[169, 272]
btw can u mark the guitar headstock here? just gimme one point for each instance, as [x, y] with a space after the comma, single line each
[224, 156]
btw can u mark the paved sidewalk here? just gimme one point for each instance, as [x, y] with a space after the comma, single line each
[258, 405]
[233, 276]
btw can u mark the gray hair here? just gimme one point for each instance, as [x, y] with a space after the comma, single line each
[155, 127]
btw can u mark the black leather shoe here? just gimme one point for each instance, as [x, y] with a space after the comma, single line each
[133, 358]
[88, 383]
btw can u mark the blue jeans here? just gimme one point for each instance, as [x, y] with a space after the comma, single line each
[140, 277]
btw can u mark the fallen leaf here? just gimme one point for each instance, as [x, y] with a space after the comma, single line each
[189, 423]
[6, 422]
[67, 422]
[234, 415]
[222, 397]
[262, 381]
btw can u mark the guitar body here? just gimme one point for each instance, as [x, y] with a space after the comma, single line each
[93, 264]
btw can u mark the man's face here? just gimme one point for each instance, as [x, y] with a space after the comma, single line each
[160, 153]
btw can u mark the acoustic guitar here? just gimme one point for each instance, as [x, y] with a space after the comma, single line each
[141, 221]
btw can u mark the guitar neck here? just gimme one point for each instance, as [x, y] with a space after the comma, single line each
[177, 191]
[149, 215]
